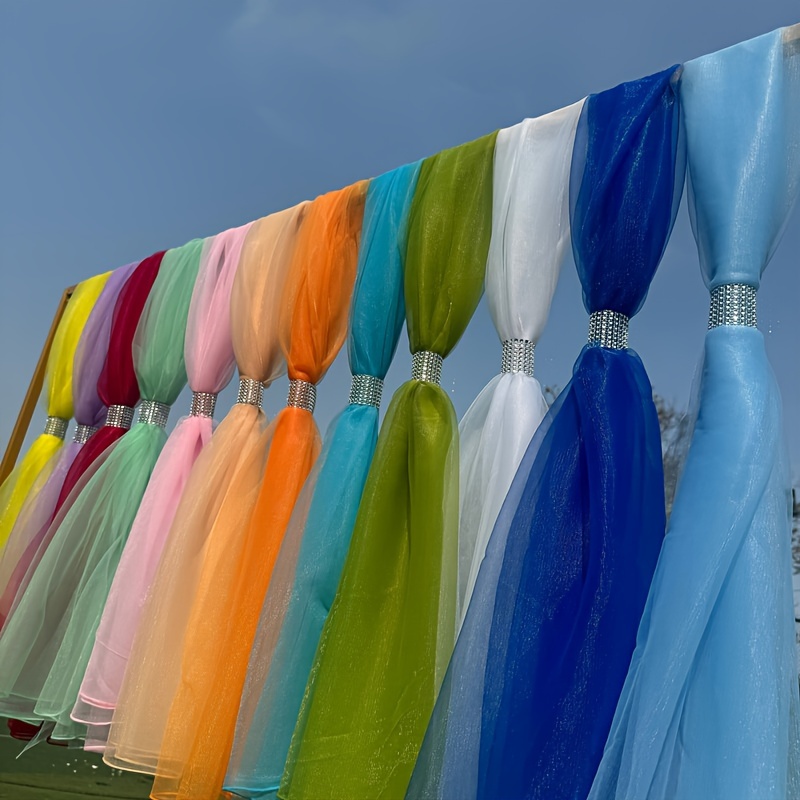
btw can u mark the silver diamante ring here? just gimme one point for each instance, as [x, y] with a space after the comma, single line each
[732, 304]
[366, 390]
[608, 329]
[119, 417]
[518, 356]
[302, 394]
[426, 366]
[151, 412]
[82, 433]
[203, 404]
[56, 426]
[250, 392]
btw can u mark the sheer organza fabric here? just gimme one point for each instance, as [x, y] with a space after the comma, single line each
[31, 531]
[117, 383]
[219, 636]
[387, 639]
[37, 512]
[42, 454]
[710, 704]
[216, 503]
[98, 521]
[307, 571]
[36, 515]
[543, 651]
[583, 545]
[530, 234]
[117, 374]
[208, 354]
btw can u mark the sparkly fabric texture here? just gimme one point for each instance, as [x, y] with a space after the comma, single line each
[710, 704]
[307, 572]
[42, 453]
[389, 634]
[223, 620]
[116, 383]
[530, 235]
[31, 533]
[215, 505]
[48, 638]
[560, 590]
[208, 354]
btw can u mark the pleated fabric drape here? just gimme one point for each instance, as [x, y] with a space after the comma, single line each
[208, 354]
[36, 515]
[307, 571]
[710, 704]
[47, 640]
[222, 625]
[389, 633]
[41, 455]
[545, 644]
[117, 384]
[217, 501]
[530, 234]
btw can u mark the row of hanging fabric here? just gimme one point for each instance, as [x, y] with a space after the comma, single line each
[422, 608]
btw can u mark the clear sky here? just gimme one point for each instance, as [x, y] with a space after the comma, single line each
[135, 125]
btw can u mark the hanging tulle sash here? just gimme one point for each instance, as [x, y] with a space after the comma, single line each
[44, 656]
[89, 411]
[42, 454]
[570, 558]
[208, 353]
[224, 617]
[117, 385]
[217, 501]
[387, 639]
[307, 571]
[530, 233]
[710, 705]
[116, 379]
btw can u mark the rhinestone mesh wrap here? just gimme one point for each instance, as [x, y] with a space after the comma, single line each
[56, 426]
[250, 392]
[203, 404]
[151, 412]
[302, 394]
[366, 390]
[732, 304]
[82, 433]
[518, 356]
[119, 416]
[426, 366]
[608, 329]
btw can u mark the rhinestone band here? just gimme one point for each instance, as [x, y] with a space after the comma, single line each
[250, 392]
[203, 404]
[119, 417]
[151, 412]
[302, 394]
[82, 433]
[56, 426]
[518, 356]
[608, 329]
[366, 390]
[426, 366]
[732, 304]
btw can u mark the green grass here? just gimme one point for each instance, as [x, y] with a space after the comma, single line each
[58, 773]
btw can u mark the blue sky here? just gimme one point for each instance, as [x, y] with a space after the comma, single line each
[128, 127]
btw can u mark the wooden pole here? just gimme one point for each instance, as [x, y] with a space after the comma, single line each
[34, 390]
